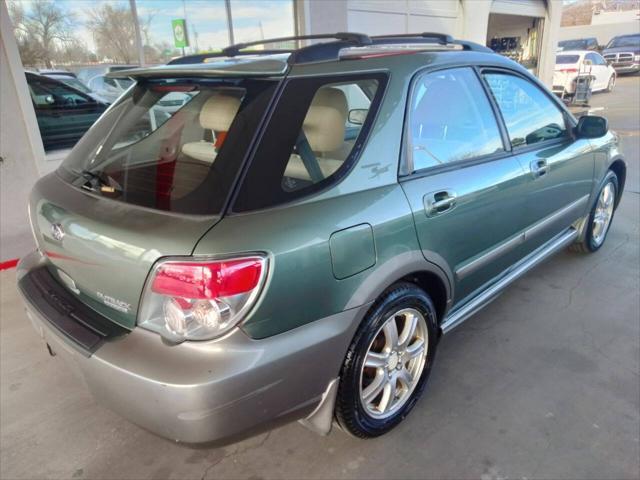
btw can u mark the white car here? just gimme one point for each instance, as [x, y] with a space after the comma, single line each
[571, 64]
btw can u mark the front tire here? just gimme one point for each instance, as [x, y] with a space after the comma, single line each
[600, 217]
[611, 84]
[388, 362]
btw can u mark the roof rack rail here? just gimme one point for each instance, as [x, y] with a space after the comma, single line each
[329, 50]
[356, 38]
[429, 37]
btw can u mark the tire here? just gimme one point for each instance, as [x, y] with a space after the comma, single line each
[595, 236]
[396, 307]
[611, 83]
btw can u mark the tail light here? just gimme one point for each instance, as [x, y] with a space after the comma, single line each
[200, 300]
[568, 70]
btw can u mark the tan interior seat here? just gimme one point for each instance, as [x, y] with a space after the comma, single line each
[217, 114]
[324, 127]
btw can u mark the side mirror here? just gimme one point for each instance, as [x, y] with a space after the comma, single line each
[592, 126]
[357, 116]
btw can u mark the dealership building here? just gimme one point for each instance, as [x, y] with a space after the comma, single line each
[524, 30]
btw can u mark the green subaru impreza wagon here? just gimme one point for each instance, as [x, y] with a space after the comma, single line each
[292, 241]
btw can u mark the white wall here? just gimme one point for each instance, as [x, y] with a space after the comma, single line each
[20, 147]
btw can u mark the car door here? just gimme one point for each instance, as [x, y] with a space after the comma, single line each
[604, 70]
[64, 114]
[464, 186]
[598, 70]
[560, 167]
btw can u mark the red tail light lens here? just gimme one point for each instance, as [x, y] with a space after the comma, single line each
[207, 280]
[569, 70]
[200, 300]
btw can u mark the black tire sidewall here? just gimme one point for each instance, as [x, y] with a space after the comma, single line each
[589, 242]
[350, 412]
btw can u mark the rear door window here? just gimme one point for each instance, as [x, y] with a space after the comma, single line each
[174, 145]
[313, 137]
[529, 114]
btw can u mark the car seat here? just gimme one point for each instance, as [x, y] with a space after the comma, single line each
[324, 128]
[216, 115]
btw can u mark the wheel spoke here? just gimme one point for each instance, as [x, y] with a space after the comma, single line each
[415, 349]
[390, 334]
[373, 389]
[388, 395]
[405, 378]
[375, 360]
[408, 331]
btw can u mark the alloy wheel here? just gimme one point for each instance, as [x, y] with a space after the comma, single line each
[394, 363]
[603, 214]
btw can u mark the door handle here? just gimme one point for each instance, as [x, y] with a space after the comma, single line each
[539, 168]
[437, 203]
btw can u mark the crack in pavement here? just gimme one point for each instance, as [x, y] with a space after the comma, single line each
[237, 451]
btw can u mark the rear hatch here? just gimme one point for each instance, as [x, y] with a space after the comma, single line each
[103, 250]
[145, 183]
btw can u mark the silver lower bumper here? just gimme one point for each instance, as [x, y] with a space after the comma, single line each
[204, 391]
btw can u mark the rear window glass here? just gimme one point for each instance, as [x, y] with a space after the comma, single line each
[564, 59]
[171, 145]
[314, 136]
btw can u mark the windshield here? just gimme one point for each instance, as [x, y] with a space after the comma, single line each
[573, 44]
[180, 159]
[75, 83]
[633, 41]
[564, 59]
[124, 82]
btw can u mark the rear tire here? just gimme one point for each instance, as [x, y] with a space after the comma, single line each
[600, 217]
[388, 362]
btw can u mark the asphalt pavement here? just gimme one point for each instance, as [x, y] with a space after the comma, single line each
[543, 383]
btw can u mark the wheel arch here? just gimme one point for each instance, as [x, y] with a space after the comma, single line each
[619, 167]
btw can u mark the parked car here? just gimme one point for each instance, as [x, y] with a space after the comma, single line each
[590, 43]
[623, 52]
[293, 242]
[64, 114]
[571, 64]
[70, 79]
[110, 88]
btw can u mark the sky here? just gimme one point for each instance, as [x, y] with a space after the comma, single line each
[251, 19]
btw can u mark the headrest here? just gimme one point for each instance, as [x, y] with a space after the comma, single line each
[324, 124]
[219, 111]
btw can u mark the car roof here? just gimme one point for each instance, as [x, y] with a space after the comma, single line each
[575, 52]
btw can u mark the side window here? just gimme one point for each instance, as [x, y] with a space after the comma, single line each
[598, 59]
[313, 136]
[592, 57]
[529, 115]
[53, 94]
[450, 120]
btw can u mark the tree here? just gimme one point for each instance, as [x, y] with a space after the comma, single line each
[114, 32]
[41, 31]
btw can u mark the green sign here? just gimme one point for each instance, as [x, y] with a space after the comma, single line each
[180, 37]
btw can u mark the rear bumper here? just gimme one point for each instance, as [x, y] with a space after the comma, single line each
[205, 391]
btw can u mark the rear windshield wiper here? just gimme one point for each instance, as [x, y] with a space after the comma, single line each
[96, 181]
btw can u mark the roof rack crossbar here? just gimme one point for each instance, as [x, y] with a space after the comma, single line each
[440, 37]
[203, 57]
[356, 38]
[429, 37]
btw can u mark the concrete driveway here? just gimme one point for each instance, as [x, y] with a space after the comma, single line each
[544, 383]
